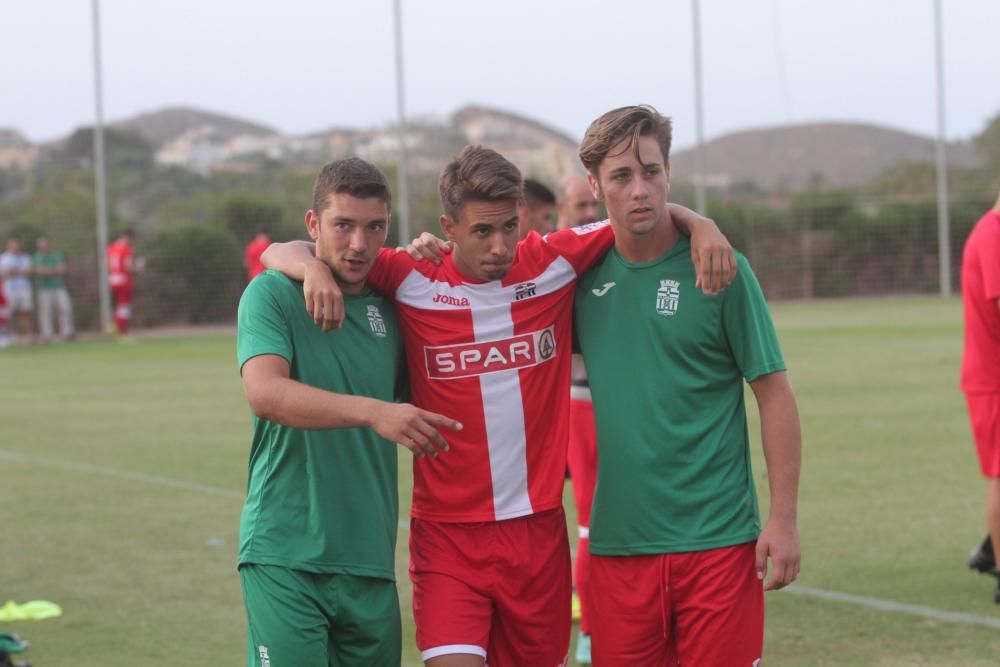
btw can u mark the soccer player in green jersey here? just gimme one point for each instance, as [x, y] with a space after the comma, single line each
[318, 530]
[678, 554]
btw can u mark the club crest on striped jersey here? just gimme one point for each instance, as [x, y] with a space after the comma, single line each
[523, 291]
[376, 322]
[668, 297]
[448, 362]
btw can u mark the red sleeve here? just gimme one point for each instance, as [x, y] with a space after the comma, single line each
[583, 246]
[989, 259]
[389, 271]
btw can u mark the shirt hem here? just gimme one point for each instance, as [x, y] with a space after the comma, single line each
[598, 549]
[492, 517]
[321, 568]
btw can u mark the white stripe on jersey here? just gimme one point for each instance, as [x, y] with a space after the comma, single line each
[504, 413]
[502, 401]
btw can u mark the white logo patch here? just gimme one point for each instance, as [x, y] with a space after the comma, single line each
[376, 322]
[668, 297]
[604, 289]
[265, 661]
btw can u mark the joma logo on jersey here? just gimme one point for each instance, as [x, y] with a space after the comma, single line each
[376, 322]
[451, 300]
[523, 291]
[447, 362]
[668, 297]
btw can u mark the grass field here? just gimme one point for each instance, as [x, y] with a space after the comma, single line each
[122, 469]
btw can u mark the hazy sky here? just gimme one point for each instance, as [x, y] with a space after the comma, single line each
[305, 65]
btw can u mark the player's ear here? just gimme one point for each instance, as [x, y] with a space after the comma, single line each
[447, 227]
[312, 224]
[595, 187]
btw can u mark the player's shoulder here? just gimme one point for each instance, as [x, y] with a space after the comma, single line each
[562, 235]
[272, 282]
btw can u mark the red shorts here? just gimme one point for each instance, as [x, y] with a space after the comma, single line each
[984, 415]
[122, 294]
[696, 608]
[582, 457]
[498, 589]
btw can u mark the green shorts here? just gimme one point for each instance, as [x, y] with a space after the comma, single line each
[301, 619]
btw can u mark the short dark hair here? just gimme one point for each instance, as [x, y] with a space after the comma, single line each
[353, 176]
[537, 193]
[607, 131]
[478, 174]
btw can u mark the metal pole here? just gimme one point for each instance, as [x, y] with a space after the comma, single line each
[100, 189]
[944, 225]
[403, 186]
[699, 153]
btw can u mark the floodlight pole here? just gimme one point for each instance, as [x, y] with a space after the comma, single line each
[944, 236]
[699, 153]
[100, 189]
[401, 167]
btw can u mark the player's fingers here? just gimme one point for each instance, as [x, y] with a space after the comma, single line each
[436, 420]
[779, 576]
[425, 444]
[434, 438]
[698, 268]
[411, 444]
[730, 266]
[311, 308]
[338, 311]
[412, 251]
[760, 559]
[714, 271]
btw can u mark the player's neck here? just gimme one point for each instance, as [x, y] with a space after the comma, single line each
[643, 247]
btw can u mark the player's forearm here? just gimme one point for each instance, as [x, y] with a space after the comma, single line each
[291, 403]
[685, 220]
[781, 437]
[290, 258]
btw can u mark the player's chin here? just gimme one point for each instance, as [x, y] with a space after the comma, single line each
[495, 271]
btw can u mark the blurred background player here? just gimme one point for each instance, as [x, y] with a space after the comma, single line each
[536, 212]
[54, 304]
[577, 206]
[253, 251]
[122, 264]
[15, 270]
[678, 553]
[980, 378]
[4, 311]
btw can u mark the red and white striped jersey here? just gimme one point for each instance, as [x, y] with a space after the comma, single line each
[496, 357]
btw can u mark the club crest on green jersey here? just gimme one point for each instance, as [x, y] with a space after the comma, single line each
[376, 322]
[668, 297]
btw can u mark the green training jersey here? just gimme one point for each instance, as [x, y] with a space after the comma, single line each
[666, 366]
[321, 501]
[45, 261]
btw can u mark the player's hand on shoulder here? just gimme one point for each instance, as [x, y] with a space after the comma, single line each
[416, 429]
[324, 300]
[713, 257]
[779, 542]
[427, 246]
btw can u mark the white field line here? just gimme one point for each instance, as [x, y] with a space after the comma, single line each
[156, 480]
[880, 604]
[877, 604]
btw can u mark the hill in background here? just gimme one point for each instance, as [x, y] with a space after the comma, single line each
[779, 159]
[812, 155]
